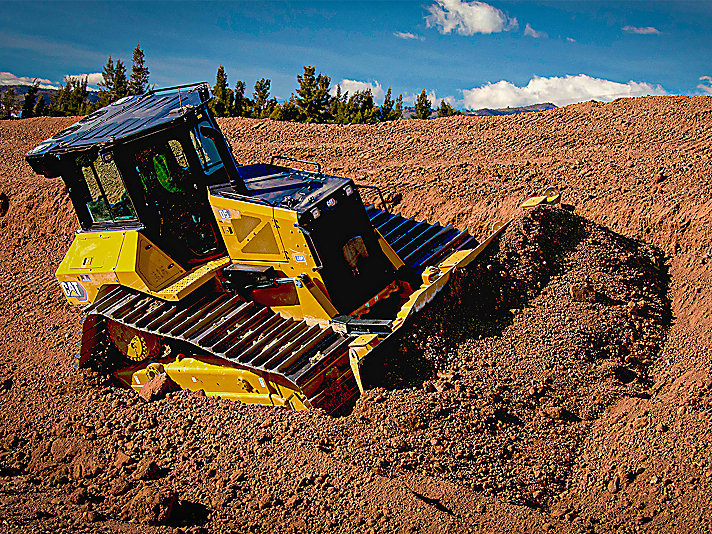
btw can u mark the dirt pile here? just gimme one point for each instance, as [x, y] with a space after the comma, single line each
[578, 401]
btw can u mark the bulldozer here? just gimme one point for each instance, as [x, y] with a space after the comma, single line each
[269, 284]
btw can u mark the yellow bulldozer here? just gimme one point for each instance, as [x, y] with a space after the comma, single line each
[260, 283]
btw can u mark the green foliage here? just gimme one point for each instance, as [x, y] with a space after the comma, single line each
[242, 104]
[399, 107]
[106, 86]
[40, 107]
[313, 95]
[8, 104]
[121, 83]
[261, 96]
[388, 112]
[223, 102]
[28, 106]
[138, 84]
[361, 108]
[70, 99]
[445, 109]
[423, 106]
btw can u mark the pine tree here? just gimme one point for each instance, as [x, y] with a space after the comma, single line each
[313, 91]
[399, 107]
[8, 103]
[40, 107]
[445, 109]
[361, 108]
[423, 106]
[121, 83]
[138, 84]
[28, 106]
[387, 111]
[261, 94]
[241, 104]
[108, 83]
[219, 105]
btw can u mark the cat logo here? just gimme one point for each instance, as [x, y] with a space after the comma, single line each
[73, 290]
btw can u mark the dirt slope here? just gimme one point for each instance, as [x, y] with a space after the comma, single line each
[546, 413]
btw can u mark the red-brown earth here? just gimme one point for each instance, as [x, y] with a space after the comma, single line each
[565, 385]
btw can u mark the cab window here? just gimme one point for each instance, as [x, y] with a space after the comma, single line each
[107, 202]
[206, 149]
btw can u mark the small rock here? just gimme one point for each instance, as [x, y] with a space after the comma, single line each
[122, 459]
[79, 496]
[158, 387]
[120, 486]
[614, 484]
[584, 292]
[294, 501]
[147, 469]
[151, 505]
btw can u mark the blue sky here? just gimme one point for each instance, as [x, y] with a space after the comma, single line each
[475, 54]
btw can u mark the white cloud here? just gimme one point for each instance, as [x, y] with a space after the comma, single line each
[468, 18]
[648, 30]
[706, 85]
[570, 40]
[558, 90]
[353, 85]
[531, 32]
[408, 35]
[93, 78]
[7, 78]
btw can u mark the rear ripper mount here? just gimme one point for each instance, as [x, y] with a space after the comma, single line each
[259, 283]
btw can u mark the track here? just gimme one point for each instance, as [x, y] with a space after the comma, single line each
[226, 326]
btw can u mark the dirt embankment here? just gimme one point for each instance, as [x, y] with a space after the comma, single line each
[577, 400]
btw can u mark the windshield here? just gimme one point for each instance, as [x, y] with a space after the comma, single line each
[108, 200]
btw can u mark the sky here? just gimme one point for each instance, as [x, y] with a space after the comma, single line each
[473, 54]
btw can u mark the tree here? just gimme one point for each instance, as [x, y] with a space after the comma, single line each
[399, 107]
[138, 84]
[121, 83]
[241, 105]
[361, 108]
[222, 103]
[28, 106]
[8, 103]
[313, 95]
[423, 107]
[261, 94]
[40, 107]
[108, 83]
[445, 109]
[387, 111]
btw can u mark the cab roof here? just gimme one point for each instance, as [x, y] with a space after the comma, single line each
[121, 120]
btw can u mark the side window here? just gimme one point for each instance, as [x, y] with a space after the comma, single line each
[206, 149]
[108, 200]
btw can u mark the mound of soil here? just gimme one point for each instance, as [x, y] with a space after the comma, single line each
[563, 384]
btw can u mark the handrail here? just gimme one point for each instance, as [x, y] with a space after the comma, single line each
[319, 265]
[318, 165]
[380, 194]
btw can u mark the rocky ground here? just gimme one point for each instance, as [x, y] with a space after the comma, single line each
[565, 386]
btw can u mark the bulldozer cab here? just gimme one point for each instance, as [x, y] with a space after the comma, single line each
[122, 171]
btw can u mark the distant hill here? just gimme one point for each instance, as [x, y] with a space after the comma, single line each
[488, 112]
[21, 91]
[409, 111]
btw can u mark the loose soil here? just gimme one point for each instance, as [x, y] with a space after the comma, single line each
[563, 385]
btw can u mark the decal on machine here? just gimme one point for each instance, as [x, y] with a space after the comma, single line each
[73, 289]
[225, 214]
[300, 258]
